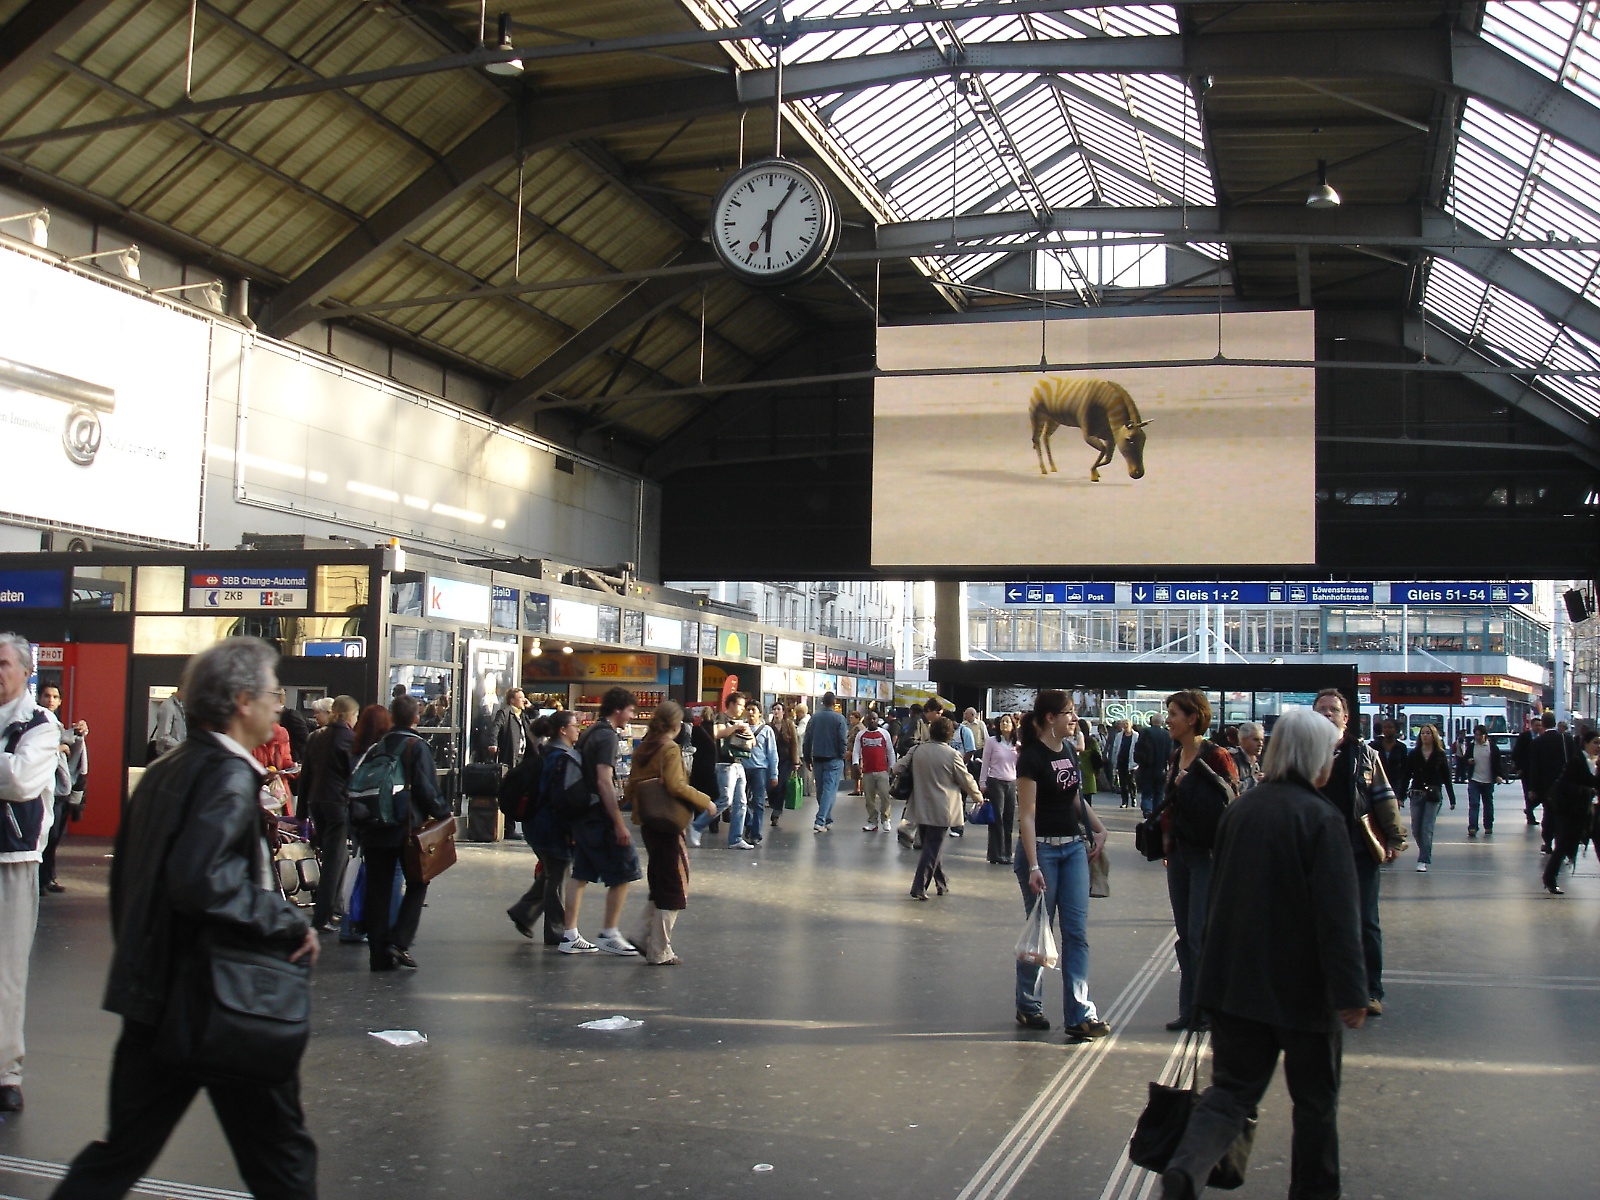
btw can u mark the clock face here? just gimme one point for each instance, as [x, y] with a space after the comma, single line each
[773, 223]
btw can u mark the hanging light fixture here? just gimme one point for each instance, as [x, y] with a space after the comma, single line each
[38, 225]
[127, 259]
[210, 293]
[1322, 196]
[511, 66]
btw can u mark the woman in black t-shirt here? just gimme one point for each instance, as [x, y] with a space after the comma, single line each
[1058, 834]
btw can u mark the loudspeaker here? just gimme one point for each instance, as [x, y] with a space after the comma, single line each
[1579, 606]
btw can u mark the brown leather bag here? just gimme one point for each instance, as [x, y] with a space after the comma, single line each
[431, 850]
[659, 810]
[1376, 846]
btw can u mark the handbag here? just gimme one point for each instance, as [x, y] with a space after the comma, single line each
[983, 814]
[431, 850]
[659, 810]
[1166, 1116]
[1099, 876]
[1376, 846]
[1148, 839]
[236, 1016]
[794, 792]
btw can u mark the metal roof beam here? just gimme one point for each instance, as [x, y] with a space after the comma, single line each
[1371, 223]
[1444, 348]
[38, 31]
[640, 305]
[1506, 271]
[1493, 76]
[543, 121]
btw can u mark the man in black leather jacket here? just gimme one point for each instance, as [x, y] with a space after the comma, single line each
[192, 858]
[325, 787]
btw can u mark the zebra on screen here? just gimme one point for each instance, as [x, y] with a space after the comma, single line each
[1104, 412]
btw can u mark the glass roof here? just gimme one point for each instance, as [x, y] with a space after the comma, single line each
[1511, 180]
[997, 142]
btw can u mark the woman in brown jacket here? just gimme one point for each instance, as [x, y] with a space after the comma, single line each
[939, 781]
[667, 871]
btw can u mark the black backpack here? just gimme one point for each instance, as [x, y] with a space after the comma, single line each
[565, 789]
[519, 790]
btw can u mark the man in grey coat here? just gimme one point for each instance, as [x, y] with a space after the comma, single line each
[1284, 971]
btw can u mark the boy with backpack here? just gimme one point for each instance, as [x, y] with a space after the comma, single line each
[393, 789]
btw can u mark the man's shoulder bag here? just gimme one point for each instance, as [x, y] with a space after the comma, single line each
[901, 787]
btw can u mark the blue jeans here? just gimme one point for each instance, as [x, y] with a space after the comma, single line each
[1423, 815]
[828, 772]
[1151, 781]
[730, 801]
[755, 790]
[1480, 793]
[1367, 880]
[1066, 899]
[1188, 889]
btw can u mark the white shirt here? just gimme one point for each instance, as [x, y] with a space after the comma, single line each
[1482, 762]
[30, 772]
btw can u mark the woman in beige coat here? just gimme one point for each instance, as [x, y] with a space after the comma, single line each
[939, 782]
[667, 870]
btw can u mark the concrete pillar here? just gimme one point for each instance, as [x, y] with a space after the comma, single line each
[949, 627]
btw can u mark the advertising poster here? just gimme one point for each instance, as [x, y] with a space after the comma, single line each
[103, 396]
[1108, 465]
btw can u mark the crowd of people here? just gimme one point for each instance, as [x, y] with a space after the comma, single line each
[1272, 849]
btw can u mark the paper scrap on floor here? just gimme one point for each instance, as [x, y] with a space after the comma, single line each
[608, 1023]
[400, 1037]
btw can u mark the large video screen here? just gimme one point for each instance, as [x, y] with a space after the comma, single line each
[981, 461]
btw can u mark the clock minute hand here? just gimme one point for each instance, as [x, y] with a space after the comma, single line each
[772, 216]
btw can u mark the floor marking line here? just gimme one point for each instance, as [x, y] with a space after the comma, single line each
[1104, 1047]
[997, 1162]
[1137, 1183]
[44, 1169]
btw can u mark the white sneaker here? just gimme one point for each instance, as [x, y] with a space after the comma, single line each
[1422, 867]
[741, 844]
[869, 829]
[616, 945]
[578, 945]
[692, 837]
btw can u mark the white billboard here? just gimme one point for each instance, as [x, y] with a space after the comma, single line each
[103, 401]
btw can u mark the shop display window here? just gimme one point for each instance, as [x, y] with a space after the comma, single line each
[159, 590]
[405, 597]
[342, 588]
[632, 627]
[610, 626]
[101, 589]
[535, 612]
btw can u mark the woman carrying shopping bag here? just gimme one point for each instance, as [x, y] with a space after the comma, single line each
[1057, 836]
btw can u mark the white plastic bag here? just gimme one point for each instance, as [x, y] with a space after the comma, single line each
[611, 1023]
[1037, 945]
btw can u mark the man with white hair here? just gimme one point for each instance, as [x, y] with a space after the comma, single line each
[30, 740]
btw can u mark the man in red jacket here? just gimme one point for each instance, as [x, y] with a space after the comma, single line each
[874, 758]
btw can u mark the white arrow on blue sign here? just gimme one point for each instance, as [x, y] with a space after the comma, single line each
[1060, 593]
[1461, 593]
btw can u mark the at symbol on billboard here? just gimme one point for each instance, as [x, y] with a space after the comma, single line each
[81, 436]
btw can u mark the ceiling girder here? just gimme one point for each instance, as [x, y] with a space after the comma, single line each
[642, 303]
[543, 122]
[1444, 348]
[38, 31]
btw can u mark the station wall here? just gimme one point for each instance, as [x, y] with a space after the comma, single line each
[156, 422]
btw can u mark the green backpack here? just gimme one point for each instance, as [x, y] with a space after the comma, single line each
[378, 785]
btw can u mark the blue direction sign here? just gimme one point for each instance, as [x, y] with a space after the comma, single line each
[1061, 593]
[1252, 593]
[32, 589]
[351, 647]
[1461, 593]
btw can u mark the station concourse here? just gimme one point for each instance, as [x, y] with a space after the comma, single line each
[473, 361]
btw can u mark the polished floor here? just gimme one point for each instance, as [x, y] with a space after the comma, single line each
[828, 1036]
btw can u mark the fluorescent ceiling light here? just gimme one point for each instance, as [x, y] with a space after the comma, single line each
[371, 490]
[460, 514]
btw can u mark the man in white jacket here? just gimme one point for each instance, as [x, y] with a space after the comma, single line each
[30, 741]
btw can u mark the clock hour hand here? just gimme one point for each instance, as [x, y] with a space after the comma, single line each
[766, 229]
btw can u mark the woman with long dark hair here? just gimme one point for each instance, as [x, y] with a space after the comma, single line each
[1428, 774]
[1058, 833]
[788, 757]
[1201, 782]
[997, 776]
[659, 757]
